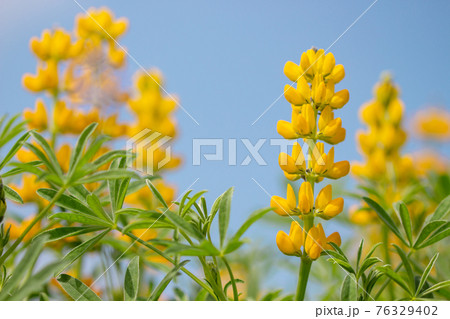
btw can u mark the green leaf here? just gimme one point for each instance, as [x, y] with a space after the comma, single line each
[402, 210]
[96, 206]
[224, 214]
[426, 273]
[65, 201]
[342, 264]
[122, 192]
[438, 235]
[79, 147]
[77, 289]
[12, 194]
[256, 215]
[131, 282]
[407, 265]
[384, 216]
[107, 175]
[165, 282]
[63, 232]
[442, 210]
[395, 277]
[366, 264]
[358, 256]
[184, 225]
[81, 218]
[24, 266]
[435, 287]
[48, 151]
[427, 230]
[78, 251]
[13, 150]
[191, 202]
[349, 289]
[35, 283]
[157, 193]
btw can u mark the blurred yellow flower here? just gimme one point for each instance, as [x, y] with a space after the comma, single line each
[36, 119]
[55, 44]
[433, 123]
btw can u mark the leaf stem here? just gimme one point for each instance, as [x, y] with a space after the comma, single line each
[233, 281]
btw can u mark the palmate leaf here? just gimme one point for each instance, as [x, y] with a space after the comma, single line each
[96, 206]
[77, 289]
[131, 282]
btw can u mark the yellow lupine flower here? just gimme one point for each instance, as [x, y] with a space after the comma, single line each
[291, 244]
[36, 119]
[316, 241]
[330, 129]
[305, 198]
[112, 128]
[100, 24]
[294, 164]
[285, 206]
[46, 78]
[302, 125]
[56, 45]
[299, 95]
[327, 207]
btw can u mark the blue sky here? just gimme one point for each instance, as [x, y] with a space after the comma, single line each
[225, 61]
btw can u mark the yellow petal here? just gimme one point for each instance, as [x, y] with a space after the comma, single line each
[323, 198]
[286, 130]
[285, 244]
[334, 207]
[339, 99]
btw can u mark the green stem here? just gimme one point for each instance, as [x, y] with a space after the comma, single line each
[31, 225]
[305, 267]
[233, 281]
[162, 254]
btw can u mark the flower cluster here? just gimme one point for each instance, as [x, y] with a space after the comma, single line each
[314, 101]
[381, 145]
[78, 81]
